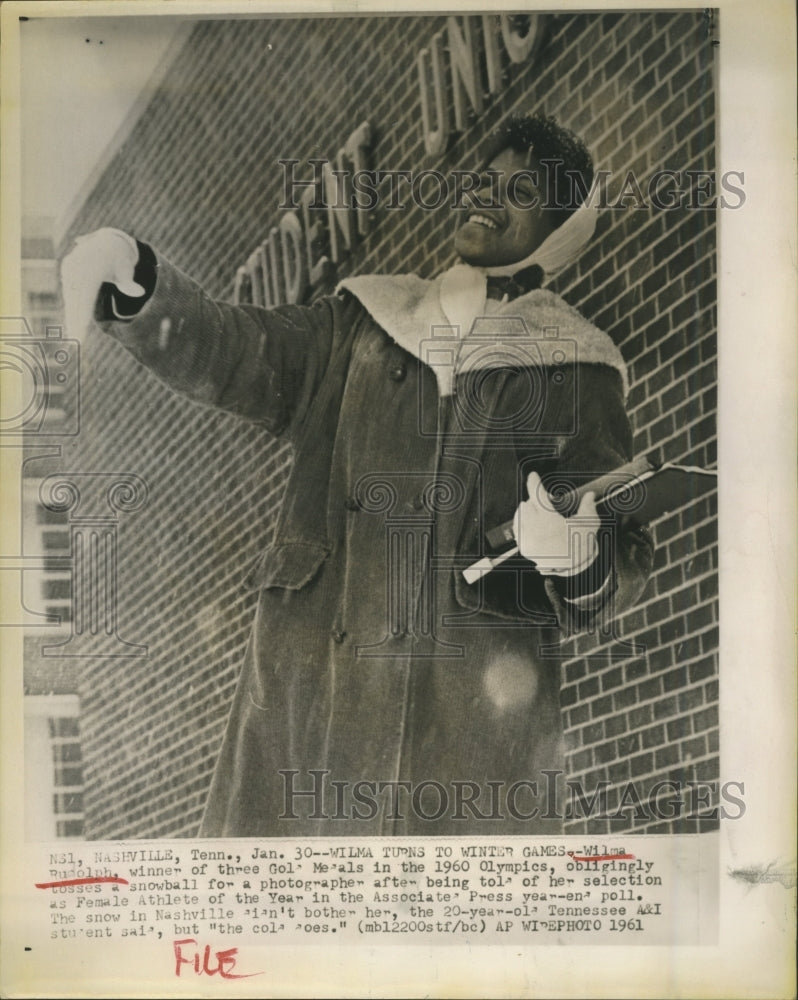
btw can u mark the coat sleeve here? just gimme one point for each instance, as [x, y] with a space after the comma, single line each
[263, 365]
[601, 441]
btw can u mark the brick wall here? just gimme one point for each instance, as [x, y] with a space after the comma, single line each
[197, 178]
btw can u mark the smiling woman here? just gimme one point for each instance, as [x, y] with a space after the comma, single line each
[507, 231]
[537, 177]
[390, 671]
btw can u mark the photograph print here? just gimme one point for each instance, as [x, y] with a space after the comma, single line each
[368, 471]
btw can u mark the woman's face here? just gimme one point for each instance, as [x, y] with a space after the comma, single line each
[507, 231]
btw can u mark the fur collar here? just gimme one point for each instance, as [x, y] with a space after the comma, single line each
[539, 326]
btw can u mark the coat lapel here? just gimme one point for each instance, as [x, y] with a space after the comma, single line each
[409, 309]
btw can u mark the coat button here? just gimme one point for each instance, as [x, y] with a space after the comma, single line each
[351, 503]
[397, 372]
[338, 635]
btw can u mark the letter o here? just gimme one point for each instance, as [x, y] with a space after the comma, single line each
[443, 189]
[443, 800]
[520, 46]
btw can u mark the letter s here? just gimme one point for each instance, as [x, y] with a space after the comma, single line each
[727, 186]
[733, 799]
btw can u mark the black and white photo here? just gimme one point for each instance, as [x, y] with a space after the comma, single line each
[366, 438]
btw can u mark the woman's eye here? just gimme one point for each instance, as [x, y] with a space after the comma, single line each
[525, 190]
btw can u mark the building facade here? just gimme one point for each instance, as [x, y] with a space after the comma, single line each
[198, 175]
[51, 707]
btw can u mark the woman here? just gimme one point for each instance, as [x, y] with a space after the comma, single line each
[382, 693]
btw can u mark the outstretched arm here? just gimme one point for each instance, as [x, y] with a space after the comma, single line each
[263, 365]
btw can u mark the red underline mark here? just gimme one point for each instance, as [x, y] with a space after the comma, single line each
[81, 881]
[600, 857]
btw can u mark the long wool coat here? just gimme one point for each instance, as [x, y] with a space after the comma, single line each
[405, 699]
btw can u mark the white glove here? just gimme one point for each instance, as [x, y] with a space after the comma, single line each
[559, 546]
[104, 255]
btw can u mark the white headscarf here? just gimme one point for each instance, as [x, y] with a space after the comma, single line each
[463, 291]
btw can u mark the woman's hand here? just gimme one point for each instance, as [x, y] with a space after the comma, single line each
[106, 255]
[558, 546]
